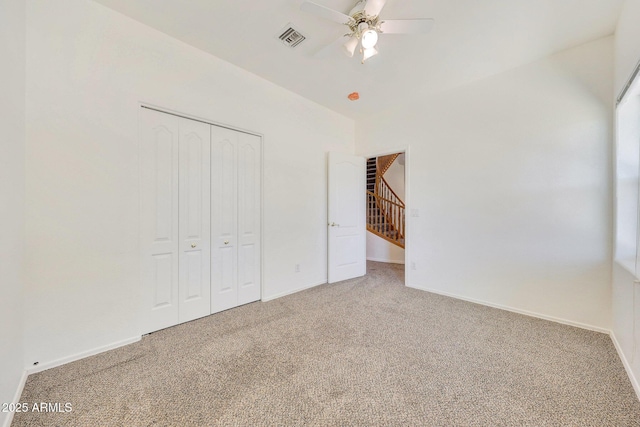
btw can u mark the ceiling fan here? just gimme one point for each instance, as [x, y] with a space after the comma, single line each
[365, 25]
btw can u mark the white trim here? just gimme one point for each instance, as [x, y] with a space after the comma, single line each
[630, 81]
[16, 398]
[408, 220]
[628, 266]
[68, 359]
[388, 261]
[284, 294]
[517, 310]
[385, 152]
[625, 363]
[196, 118]
[262, 239]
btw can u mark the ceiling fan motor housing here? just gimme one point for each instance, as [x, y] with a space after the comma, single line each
[361, 22]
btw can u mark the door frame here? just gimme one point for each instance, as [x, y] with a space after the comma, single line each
[161, 109]
[407, 202]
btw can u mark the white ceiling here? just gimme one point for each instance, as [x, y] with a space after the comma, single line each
[471, 39]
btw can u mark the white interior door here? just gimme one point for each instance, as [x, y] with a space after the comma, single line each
[224, 218]
[249, 180]
[347, 200]
[195, 228]
[159, 153]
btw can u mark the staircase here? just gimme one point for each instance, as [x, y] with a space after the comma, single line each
[385, 210]
[371, 174]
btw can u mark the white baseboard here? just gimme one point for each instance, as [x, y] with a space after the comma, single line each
[517, 310]
[284, 294]
[626, 364]
[54, 363]
[388, 261]
[16, 398]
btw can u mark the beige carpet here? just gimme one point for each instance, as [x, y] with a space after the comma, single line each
[364, 352]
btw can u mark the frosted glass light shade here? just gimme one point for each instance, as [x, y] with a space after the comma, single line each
[368, 53]
[369, 39]
[350, 46]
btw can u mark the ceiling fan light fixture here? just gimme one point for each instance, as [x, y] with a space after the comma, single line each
[369, 39]
[350, 46]
[368, 53]
[365, 25]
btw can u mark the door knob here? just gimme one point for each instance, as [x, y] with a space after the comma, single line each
[226, 242]
[333, 224]
[193, 245]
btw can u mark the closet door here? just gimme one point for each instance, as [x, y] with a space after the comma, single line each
[159, 151]
[195, 230]
[175, 163]
[249, 180]
[224, 219]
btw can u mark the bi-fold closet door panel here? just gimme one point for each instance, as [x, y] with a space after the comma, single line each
[249, 218]
[235, 219]
[224, 219]
[159, 151]
[175, 219]
[195, 224]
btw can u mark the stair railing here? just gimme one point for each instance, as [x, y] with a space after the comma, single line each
[384, 190]
[391, 205]
[385, 218]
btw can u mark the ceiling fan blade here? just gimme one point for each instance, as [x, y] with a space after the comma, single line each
[406, 26]
[324, 12]
[332, 47]
[374, 7]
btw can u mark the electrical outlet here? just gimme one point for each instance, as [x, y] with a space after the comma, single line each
[413, 265]
[297, 268]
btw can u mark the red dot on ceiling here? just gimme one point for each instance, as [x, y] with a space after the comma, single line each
[353, 96]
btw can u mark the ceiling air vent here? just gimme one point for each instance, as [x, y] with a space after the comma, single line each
[290, 36]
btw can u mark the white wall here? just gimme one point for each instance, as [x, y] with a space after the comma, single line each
[379, 249]
[626, 293]
[511, 179]
[88, 68]
[12, 129]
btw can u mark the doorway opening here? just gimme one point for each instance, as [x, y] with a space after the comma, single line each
[386, 196]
